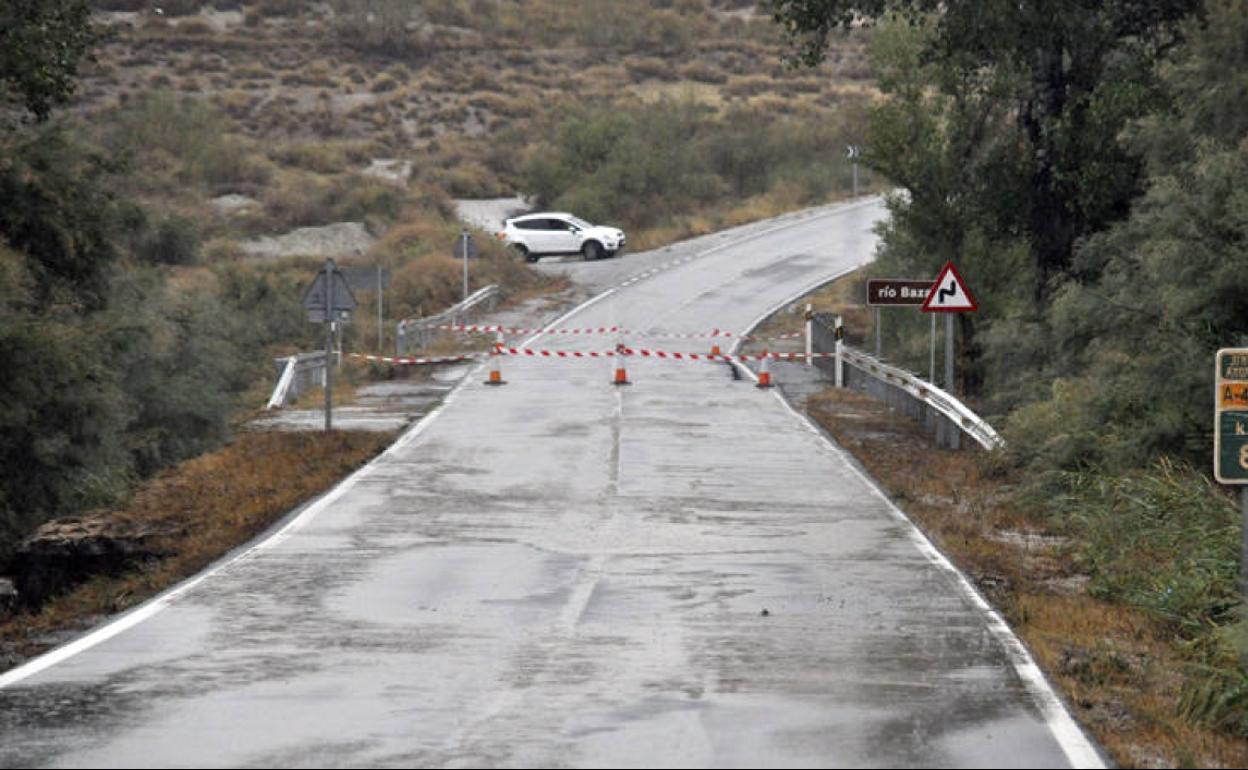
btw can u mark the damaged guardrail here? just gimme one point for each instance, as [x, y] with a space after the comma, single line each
[295, 374]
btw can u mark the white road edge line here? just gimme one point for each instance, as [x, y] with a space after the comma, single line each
[1079, 749]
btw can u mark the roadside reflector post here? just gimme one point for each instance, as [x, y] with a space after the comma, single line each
[809, 328]
[764, 372]
[839, 333]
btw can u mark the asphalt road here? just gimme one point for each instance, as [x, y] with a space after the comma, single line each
[559, 572]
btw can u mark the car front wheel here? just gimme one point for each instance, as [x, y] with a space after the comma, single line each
[592, 250]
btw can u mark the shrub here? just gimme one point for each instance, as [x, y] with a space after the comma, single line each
[649, 68]
[174, 241]
[384, 82]
[703, 72]
[320, 157]
[381, 26]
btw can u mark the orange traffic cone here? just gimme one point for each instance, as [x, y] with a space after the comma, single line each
[496, 357]
[764, 372]
[621, 376]
[715, 350]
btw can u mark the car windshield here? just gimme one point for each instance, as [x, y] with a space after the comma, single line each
[581, 223]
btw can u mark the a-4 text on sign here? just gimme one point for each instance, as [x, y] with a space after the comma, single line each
[1230, 427]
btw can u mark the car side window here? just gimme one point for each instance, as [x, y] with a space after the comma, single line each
[558, 225]
[531, 224]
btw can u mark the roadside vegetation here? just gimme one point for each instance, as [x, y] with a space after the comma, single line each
[1089, 189]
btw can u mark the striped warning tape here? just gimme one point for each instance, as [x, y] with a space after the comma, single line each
[713, 334]
[665, 355]
[623, 350]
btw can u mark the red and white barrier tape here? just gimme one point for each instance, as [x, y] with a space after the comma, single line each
[665, 355]
[713, 334]
[623, 350]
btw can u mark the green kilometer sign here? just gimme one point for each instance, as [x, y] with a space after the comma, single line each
[1230, 437]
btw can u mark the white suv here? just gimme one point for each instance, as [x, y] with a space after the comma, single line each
[537, 235]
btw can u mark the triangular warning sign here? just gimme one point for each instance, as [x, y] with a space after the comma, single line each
[949, 293]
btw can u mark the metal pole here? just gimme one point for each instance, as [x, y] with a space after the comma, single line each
[464, 244]
[855, 179]
[329, 345]
[380, 320]
[1243, 545]
[931, 363]
[949, 353]
[877, 331]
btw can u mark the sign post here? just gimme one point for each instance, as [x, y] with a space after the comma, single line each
[329, 345]
[1230, 437]
[949, 294]
[329, 300]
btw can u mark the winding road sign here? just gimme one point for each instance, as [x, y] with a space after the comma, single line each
[949, 293]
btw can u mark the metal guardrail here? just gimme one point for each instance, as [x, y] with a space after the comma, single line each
[420, 330]
[296, 374]
[939, 411]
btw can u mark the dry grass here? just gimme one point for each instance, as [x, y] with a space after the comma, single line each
[205, 507]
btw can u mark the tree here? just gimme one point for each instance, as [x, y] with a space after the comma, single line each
[58, 205]
[42, 43]
[1172, 278]
[1071, 74]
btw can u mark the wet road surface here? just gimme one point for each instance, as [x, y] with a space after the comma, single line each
[559, 572]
